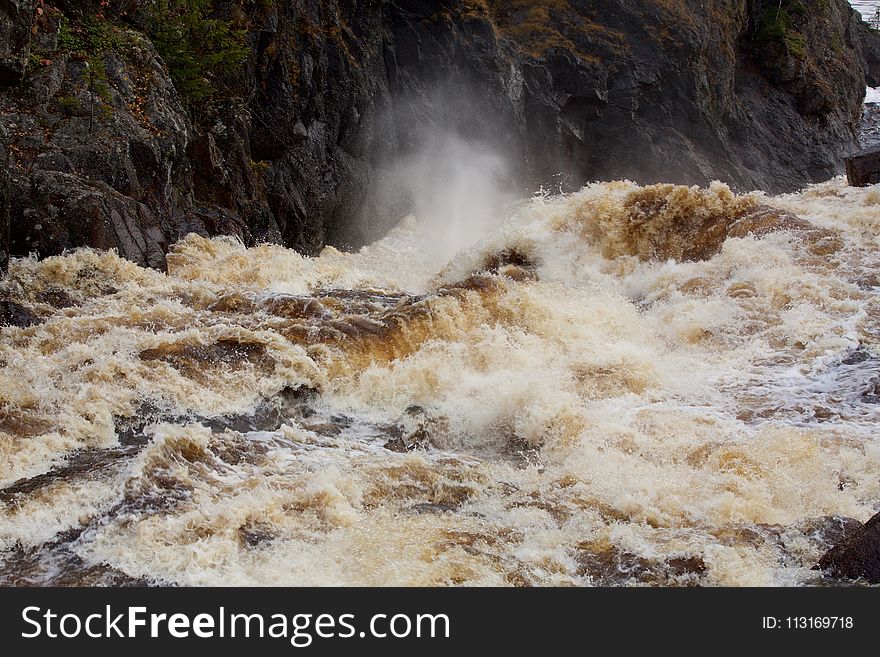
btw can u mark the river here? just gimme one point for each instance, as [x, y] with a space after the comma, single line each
[623, 385]
[867, 7]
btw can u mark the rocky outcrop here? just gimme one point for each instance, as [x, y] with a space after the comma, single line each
[15, 39]
[857, 556]
[100, 152]
[756, 93]
[569, 93]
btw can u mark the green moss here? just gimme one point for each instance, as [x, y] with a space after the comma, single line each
[33, 64]
[259, 167]
[90, 39]
[775, 27]
[204, 51]
[104, 113]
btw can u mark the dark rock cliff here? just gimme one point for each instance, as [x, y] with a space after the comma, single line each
[756, 93]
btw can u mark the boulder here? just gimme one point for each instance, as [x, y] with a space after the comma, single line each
[863, 168]
[857, 556]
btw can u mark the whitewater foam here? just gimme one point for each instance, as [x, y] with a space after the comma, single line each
[657, 385]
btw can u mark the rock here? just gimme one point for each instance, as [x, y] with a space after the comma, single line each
[856, 557]
[870, 47]
[15, 39]
[55, 211]
[863, 168]
[212, 220]
[110, 169]
[828, 530]
[417, 429]
[335, 93]
[4, 222]
[609, 565]
[14, 314]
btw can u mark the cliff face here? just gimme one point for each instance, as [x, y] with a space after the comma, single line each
[100, 150]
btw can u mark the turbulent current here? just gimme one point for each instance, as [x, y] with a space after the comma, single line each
[624, 385]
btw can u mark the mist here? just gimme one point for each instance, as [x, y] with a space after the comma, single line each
[457, 189]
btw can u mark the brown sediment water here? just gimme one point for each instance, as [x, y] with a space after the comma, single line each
[625, 385]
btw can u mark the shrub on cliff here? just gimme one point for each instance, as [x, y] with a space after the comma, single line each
[203, 49]
[203, 52]
[775, 26]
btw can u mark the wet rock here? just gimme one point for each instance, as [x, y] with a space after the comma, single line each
[511, 263]
[55, 296]
[156, 491]
[610, 565]
[269, 415]
[87, 464]
[828, 530]
[211, 220]
[254, 533]
[14, 314]
[869, 126]
[130, 430]
[863, 167]
[855, 356]
[417, 429]
[56, 564]
[861, 358]
[417, 440]
[289, 404]
[505, 257]
[429, 507]
[56, 211]
[187, 356]
[857, 556]
[753, 536]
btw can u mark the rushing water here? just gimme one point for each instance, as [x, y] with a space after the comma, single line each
[624, 385]
[868, 8]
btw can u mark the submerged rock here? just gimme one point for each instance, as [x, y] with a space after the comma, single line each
[857, 556]
[609, 565]
[57, 564]
[14, 314]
